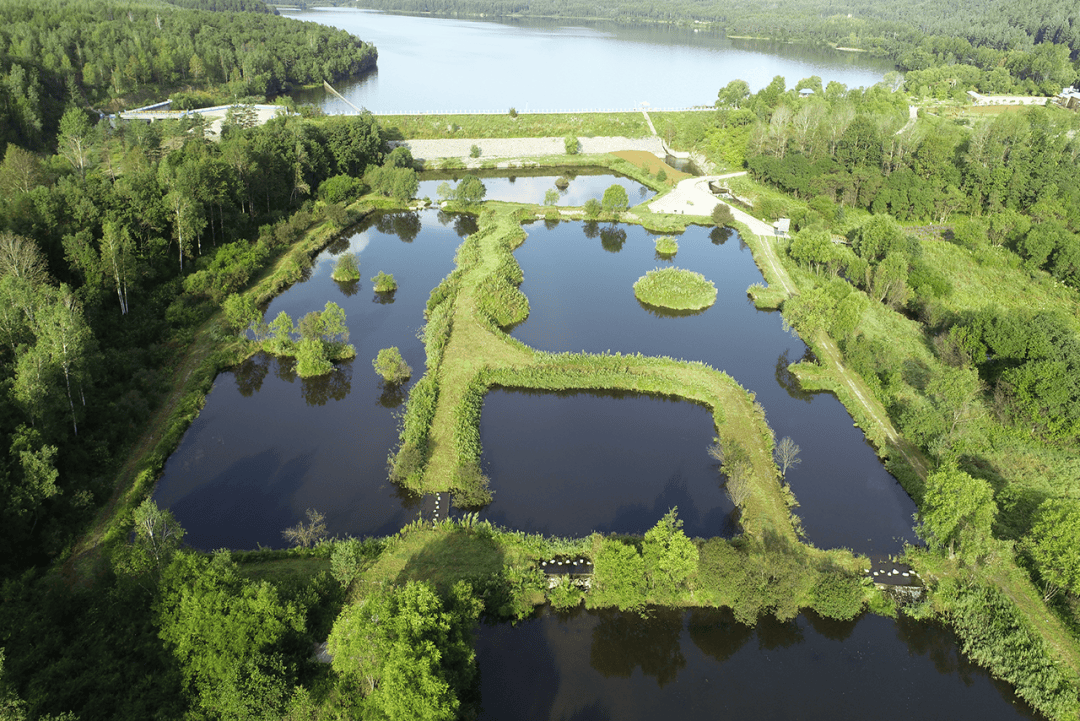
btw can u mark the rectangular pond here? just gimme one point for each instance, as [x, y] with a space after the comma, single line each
[567, 464]
[579, 279]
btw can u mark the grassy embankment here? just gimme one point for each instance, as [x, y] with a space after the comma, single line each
[208, 353]
[467, 353]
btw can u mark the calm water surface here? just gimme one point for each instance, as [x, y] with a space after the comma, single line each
[430, 64]
[579, 280]
[268, 445]
[531, 186]
[702, 664]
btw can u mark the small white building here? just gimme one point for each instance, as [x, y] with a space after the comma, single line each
[783, 225]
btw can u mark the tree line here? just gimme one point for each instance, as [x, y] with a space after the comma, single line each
[111, 253]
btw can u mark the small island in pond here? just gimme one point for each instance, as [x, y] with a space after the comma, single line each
[675, 288]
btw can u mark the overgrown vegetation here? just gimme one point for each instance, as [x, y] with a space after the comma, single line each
[675, 288]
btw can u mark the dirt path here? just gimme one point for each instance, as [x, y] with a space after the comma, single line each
[832, 359]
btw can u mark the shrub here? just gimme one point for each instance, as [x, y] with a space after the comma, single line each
[340, 189]
[347, 268]
[474, 151]
[837, 595]
[593, 208]
[675, 288]
[391, 366]
[661, 175]
[722, 215]
[384, 282]
[513, 112]
[572, 145]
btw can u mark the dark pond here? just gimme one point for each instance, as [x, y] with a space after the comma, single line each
[269, 445]
[569, 464]
[431, 64]
[579, 280]
[527, 186]
[702, 664]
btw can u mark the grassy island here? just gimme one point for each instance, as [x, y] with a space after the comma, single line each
[675, 288]
[666, 246]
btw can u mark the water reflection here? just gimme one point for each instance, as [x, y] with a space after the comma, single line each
[612, 238]
[574, 187]
[702, 664]
[661, 312]
[788, 380]
[406, 226]
[250, 373]
[623, 642]
[720, 235]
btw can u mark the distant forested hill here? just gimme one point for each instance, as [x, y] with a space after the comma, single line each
[106, 54]
[1035, 43]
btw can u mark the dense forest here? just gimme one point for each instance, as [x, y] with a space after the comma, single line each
[108, 56]
[1009, 46]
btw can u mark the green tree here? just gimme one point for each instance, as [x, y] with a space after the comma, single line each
[593, 208]
[813, 247]
[409, 651]
[311, 358]
[1054, 544]
[470, 190]
[240, 312]
[957, 513]
[280, 332]
[230, 635]
[618, 576]
[722, 215]
[75, 139]
[670, 557]
[391, 366]
[615, 200]
[572, 145]
[733, 94]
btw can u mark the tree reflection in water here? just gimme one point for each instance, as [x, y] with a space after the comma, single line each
[249, 375]
[334, 385]
[612, 238]
[406, 226]
[787, 380]
[623, 641]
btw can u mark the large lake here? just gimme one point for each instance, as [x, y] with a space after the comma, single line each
[430, 64]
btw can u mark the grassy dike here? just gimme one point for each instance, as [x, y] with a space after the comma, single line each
[473, 354]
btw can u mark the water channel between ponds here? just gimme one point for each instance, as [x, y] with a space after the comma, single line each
[702, 664]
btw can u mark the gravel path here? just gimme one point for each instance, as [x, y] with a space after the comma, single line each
[524, 147]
